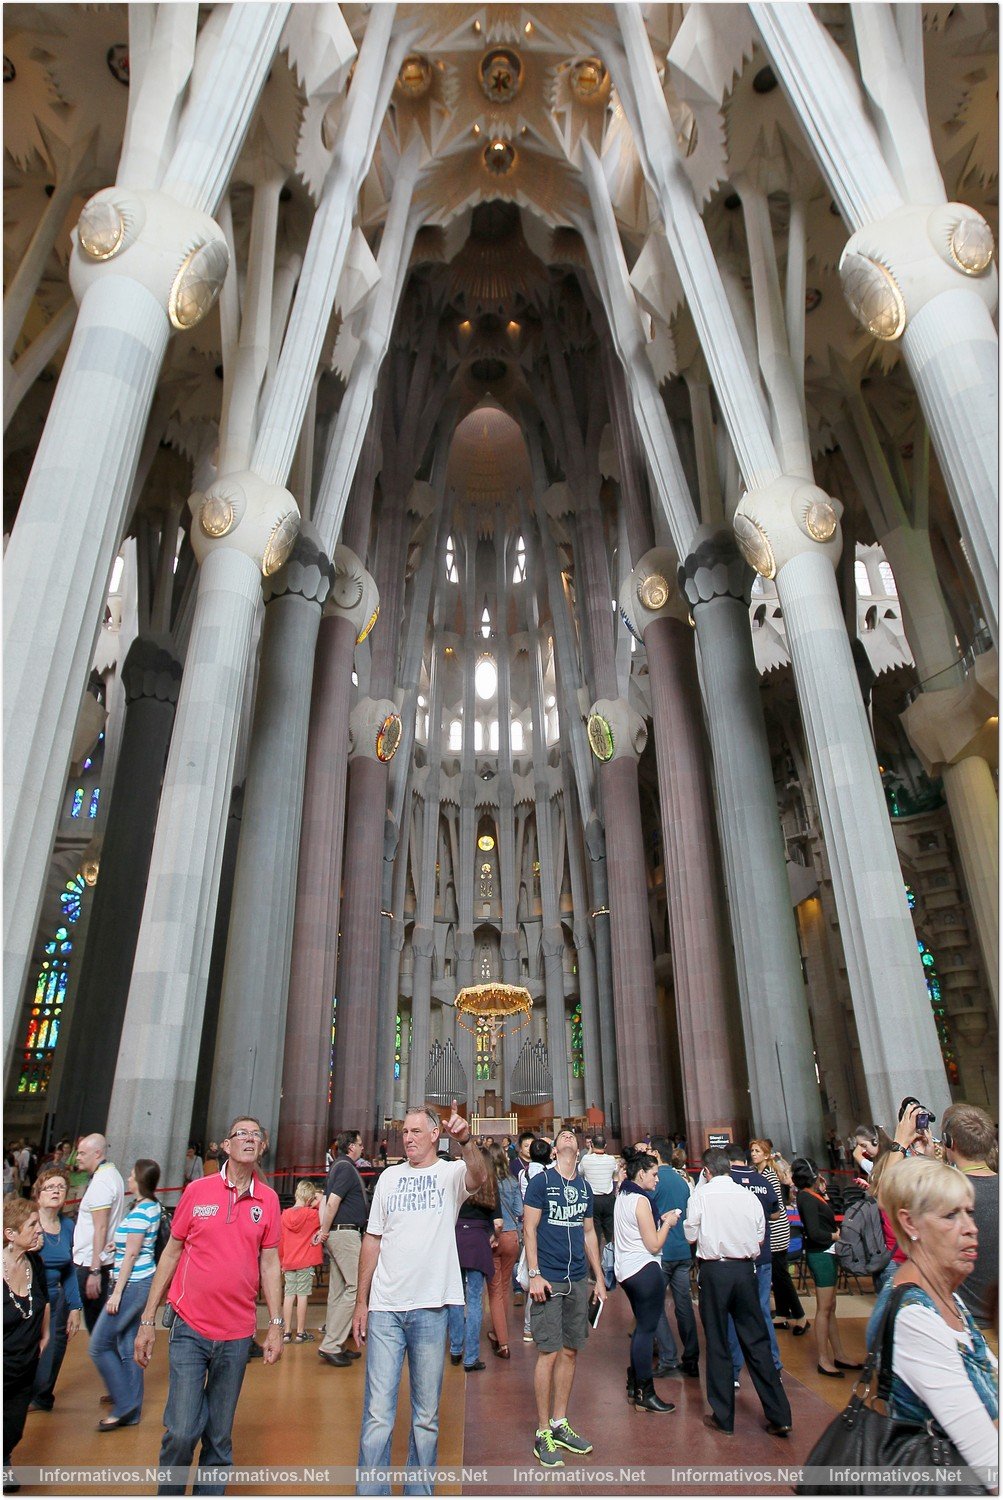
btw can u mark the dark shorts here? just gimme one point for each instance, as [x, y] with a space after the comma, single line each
[824, 1267]
[562, 1322]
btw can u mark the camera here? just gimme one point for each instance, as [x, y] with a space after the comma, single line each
[923, 1114]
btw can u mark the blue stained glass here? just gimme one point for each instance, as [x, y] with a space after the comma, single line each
[910, 896]
[92, 810]
[54, 1031]
[77, 803]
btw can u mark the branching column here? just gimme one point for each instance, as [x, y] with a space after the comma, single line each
[64, 551]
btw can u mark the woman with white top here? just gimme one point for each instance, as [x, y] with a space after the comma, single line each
[942, 1367]
[637, 1261]
[111, 1344]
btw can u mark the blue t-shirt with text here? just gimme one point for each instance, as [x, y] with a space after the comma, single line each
[766, 1193]
[560, 1235]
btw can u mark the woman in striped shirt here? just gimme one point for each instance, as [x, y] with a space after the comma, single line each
[785, 1299]
[111, 1345]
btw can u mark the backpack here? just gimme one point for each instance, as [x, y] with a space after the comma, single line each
[163, 1232]
[861, 1247]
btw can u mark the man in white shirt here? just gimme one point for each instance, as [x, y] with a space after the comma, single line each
[599, 1168]
[409, 1274]
[727, 1225]
[101, 1211]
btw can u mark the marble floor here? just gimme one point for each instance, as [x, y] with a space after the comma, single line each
[302, 1412]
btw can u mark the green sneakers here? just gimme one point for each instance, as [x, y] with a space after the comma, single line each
[564, 1436]
[546, 1451]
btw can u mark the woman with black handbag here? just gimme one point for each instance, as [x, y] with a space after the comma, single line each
[936, 1375]
[942, 1367]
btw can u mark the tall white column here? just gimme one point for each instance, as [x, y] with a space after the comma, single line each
[155, 1077]
[898, 1039]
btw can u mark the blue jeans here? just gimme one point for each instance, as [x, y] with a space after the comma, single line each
[421, 1334]
[465, 1332]
[676, 1274]
[764, 1283]
[882, 1279]
[50, 1364]
[111, 1350]
[205, 1376]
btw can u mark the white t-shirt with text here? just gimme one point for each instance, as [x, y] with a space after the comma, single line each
[414, 1212]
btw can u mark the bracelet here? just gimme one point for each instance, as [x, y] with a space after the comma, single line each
[94, 1271]
[896, 1147]
[466, 1142]
[147, 1322]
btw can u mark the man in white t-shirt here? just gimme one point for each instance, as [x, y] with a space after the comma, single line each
[599, 1170]
[101, 1211]
[409, 1274]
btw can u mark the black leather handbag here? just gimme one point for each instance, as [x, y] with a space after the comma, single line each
[866, 1439]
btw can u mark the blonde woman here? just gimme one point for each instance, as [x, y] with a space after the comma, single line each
[942, 1367]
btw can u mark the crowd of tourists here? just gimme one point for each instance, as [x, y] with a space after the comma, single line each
[461, 1231]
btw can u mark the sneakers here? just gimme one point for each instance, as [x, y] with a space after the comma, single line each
[527, 1338]
[565, 1436]
[546, 1452]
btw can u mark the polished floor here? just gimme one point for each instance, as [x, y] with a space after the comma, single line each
[301, 1412]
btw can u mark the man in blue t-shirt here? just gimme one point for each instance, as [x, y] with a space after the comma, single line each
[560, 1242]
[764, 1190]
[673, 1191]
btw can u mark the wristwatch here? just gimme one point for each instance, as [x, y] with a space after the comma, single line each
[532, 1274]
[276, 1322]
[147, 1322]
[464, 1143]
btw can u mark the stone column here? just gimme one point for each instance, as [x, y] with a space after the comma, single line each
[143, 262]
[250, 1037]
[151, 675]
[587, 990]
[712, 1066]
[374, 733]
[155, 1076]
[618, 736]
[897, 1034]
[348, 610]
[783, 1096]
[423, 935]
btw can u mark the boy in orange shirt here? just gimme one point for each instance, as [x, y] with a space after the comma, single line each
[298, 1255]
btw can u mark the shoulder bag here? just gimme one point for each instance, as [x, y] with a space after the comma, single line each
[862, 1437]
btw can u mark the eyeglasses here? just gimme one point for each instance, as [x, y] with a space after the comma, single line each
[246, 1135]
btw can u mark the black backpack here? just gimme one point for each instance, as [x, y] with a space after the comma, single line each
[163, 1232]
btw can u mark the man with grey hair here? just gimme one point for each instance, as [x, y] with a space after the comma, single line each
[409, 1274]
[101, 1210]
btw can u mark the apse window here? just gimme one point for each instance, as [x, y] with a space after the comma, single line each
[519, 571]
[888, 579]
[452, 575]
[486, 678]
[456, 734]
[485, 623]
[518, 737]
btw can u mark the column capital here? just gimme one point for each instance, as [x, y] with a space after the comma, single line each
[244, 513]
[354, 595]
[890, 269]
[178, 254]
[650, 592]
[787, 518]
[615, 730]
[715, 569]
[948, 726]
[152, 669]
[307, 571]
[374, 730]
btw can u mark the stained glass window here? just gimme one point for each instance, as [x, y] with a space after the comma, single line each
[577, 1050]
[46, 1016]
[397, 1047]
[910, 896]
[483, 1056]
[330, 1067]
[939, 1009]
[77, 803]
[92, 808]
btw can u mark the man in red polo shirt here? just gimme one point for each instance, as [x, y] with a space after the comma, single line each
[224, 1241]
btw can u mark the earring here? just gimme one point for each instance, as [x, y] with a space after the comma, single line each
[914, 1238]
